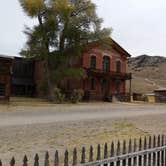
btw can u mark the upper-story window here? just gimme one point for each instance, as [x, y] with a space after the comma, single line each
[93, 62]
[106, 63]
[118, 66]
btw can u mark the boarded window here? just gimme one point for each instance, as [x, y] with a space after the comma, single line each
[2, 89]
[93, 62]
[106, 63]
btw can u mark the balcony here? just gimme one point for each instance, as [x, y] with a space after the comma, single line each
[106, 74]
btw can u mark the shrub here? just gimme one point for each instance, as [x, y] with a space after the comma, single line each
[59, 96]
[77, 95]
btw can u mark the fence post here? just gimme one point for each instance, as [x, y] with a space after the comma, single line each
[112, 153]
[149, 155]
[124, 152]
[98, 152]
[91, 154]
[134, 150]
[105, 151]
[145, 156]
[25, 161]
[46, 162]
[140, 156]
[129, 151]
[74, 157]
[0, 163]
[118, 153]
[36, 160]
[83, 155]
[66, 158]
[56, 161]
[158, 153]
[162, 152]
[154, 153]
[12, 162]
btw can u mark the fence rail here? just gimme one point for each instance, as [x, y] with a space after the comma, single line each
[147, 151]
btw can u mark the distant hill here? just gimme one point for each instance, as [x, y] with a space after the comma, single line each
[149, 73]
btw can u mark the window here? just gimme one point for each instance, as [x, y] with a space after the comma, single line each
[92, 84]
[93, 62]
[118, 66]
[2, 89]
[106, 63]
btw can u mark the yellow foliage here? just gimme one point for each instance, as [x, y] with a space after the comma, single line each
[33, 7]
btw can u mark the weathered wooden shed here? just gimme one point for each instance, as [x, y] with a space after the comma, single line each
[5, 77]
[160, 95]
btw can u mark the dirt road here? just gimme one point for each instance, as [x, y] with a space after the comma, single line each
[30, 129]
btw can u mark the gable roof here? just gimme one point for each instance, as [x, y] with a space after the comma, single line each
[120, 48]
[112, 44]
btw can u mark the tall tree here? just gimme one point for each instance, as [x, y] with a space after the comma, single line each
[63, 30]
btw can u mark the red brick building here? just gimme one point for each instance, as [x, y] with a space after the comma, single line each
[5, 76]
[106, 73]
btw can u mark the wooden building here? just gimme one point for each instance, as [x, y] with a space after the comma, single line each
[5, 77]
[23, 83]
[160, 95]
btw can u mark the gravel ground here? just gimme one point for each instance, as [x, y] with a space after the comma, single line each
[27, 129]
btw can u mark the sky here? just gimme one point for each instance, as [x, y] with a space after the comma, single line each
[139, 26]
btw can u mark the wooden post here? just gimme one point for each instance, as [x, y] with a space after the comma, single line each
[12, 162]
[130, 91]
[0, 163]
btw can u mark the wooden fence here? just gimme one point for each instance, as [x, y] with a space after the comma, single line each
[147, 151]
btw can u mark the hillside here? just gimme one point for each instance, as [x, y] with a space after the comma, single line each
[149, 73]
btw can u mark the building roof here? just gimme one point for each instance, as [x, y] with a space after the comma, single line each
[160, 89]
[6, 56]
[112, 44]
[120, 48]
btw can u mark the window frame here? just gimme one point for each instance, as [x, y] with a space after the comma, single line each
[106, 63]
[93, 62]
[118, 65]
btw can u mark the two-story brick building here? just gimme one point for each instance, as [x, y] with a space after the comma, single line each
[106, 73]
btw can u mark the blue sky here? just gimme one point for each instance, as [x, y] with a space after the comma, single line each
[138, 25]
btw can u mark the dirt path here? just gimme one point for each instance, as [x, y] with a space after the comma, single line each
[30, 129]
